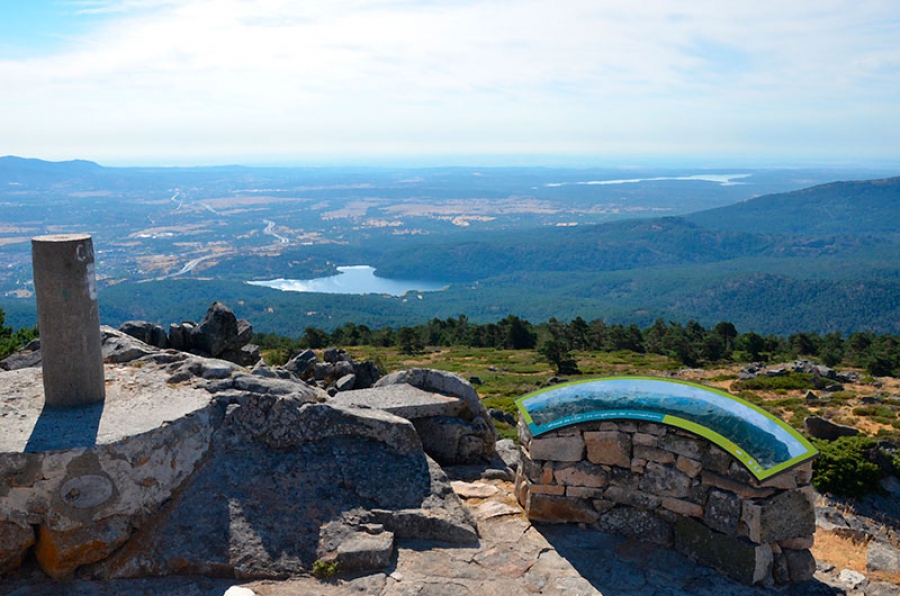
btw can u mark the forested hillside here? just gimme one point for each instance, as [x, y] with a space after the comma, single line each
[854, 208]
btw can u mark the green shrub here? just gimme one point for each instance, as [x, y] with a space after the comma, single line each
[789, 381]
[875, 411]
[789, 403]
[505, 431]
[751, 397]
[717, 378]
[326, 569]
[842, 396]
[843, 467]
[798, 415]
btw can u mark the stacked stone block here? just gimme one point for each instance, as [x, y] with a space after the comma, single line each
[664, 485]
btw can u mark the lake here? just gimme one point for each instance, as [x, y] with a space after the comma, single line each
[356, 279]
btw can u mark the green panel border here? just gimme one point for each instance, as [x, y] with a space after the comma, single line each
[736, 451]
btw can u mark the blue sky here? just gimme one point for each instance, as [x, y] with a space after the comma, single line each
[609, 82]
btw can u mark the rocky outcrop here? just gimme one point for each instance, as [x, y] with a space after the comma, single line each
[149, 333]
[194, 465]
[27, 357]
[823, 377]
[463, 433]
[219, 335]
[336, 371]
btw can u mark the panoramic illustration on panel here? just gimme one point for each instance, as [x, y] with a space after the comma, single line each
[764, 444]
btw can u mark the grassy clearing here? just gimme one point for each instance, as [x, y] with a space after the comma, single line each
[841, 551]
[505, 375]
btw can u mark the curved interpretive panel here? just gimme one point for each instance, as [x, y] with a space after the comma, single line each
[764, 444]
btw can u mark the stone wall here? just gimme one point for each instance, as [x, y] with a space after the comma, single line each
[665, 485]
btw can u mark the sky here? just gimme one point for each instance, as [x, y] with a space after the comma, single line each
[284, 82]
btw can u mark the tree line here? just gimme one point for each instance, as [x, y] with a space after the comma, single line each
[10, 339]
[689, 343]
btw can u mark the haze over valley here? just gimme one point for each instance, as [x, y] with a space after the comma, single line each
[622, 244]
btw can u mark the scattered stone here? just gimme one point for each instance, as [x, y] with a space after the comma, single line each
[851, 579]
[300, 363]
[492, 509]
[501, 416]
[820, 428]
[882, 589]
[882, 557]
[355, 548]
[468, 490]
[345, 383]
[509, 453]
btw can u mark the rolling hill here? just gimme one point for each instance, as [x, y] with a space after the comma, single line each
[838, 208]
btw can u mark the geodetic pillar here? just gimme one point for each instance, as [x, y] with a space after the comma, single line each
[68, 319]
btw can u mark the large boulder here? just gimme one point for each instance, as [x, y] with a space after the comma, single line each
[463, 438]
[279, 472]
[220, 330]
[822, 428]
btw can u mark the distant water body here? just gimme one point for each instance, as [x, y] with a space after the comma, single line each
[722, 179]
[358, 279]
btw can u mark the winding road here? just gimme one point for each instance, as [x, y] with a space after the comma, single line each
[270, 230]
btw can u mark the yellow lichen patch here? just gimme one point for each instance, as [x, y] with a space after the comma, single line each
[59, 555]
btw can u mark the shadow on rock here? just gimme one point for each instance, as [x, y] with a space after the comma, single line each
[619, 566]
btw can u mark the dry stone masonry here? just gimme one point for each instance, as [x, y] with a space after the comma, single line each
[665, 485]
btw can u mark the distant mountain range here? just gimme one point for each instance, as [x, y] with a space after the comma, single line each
[830, 219]
[821, 259]
[824, 258]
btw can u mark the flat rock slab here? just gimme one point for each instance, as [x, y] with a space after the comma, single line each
[402, 400]
[136, 402]
[513, 557]
[478, 490]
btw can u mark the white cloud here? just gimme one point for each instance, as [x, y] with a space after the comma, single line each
[201, 78]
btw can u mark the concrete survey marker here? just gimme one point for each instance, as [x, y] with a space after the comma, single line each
[69, 319]
[763, 443]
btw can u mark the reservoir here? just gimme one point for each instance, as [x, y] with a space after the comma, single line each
[356, 279]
